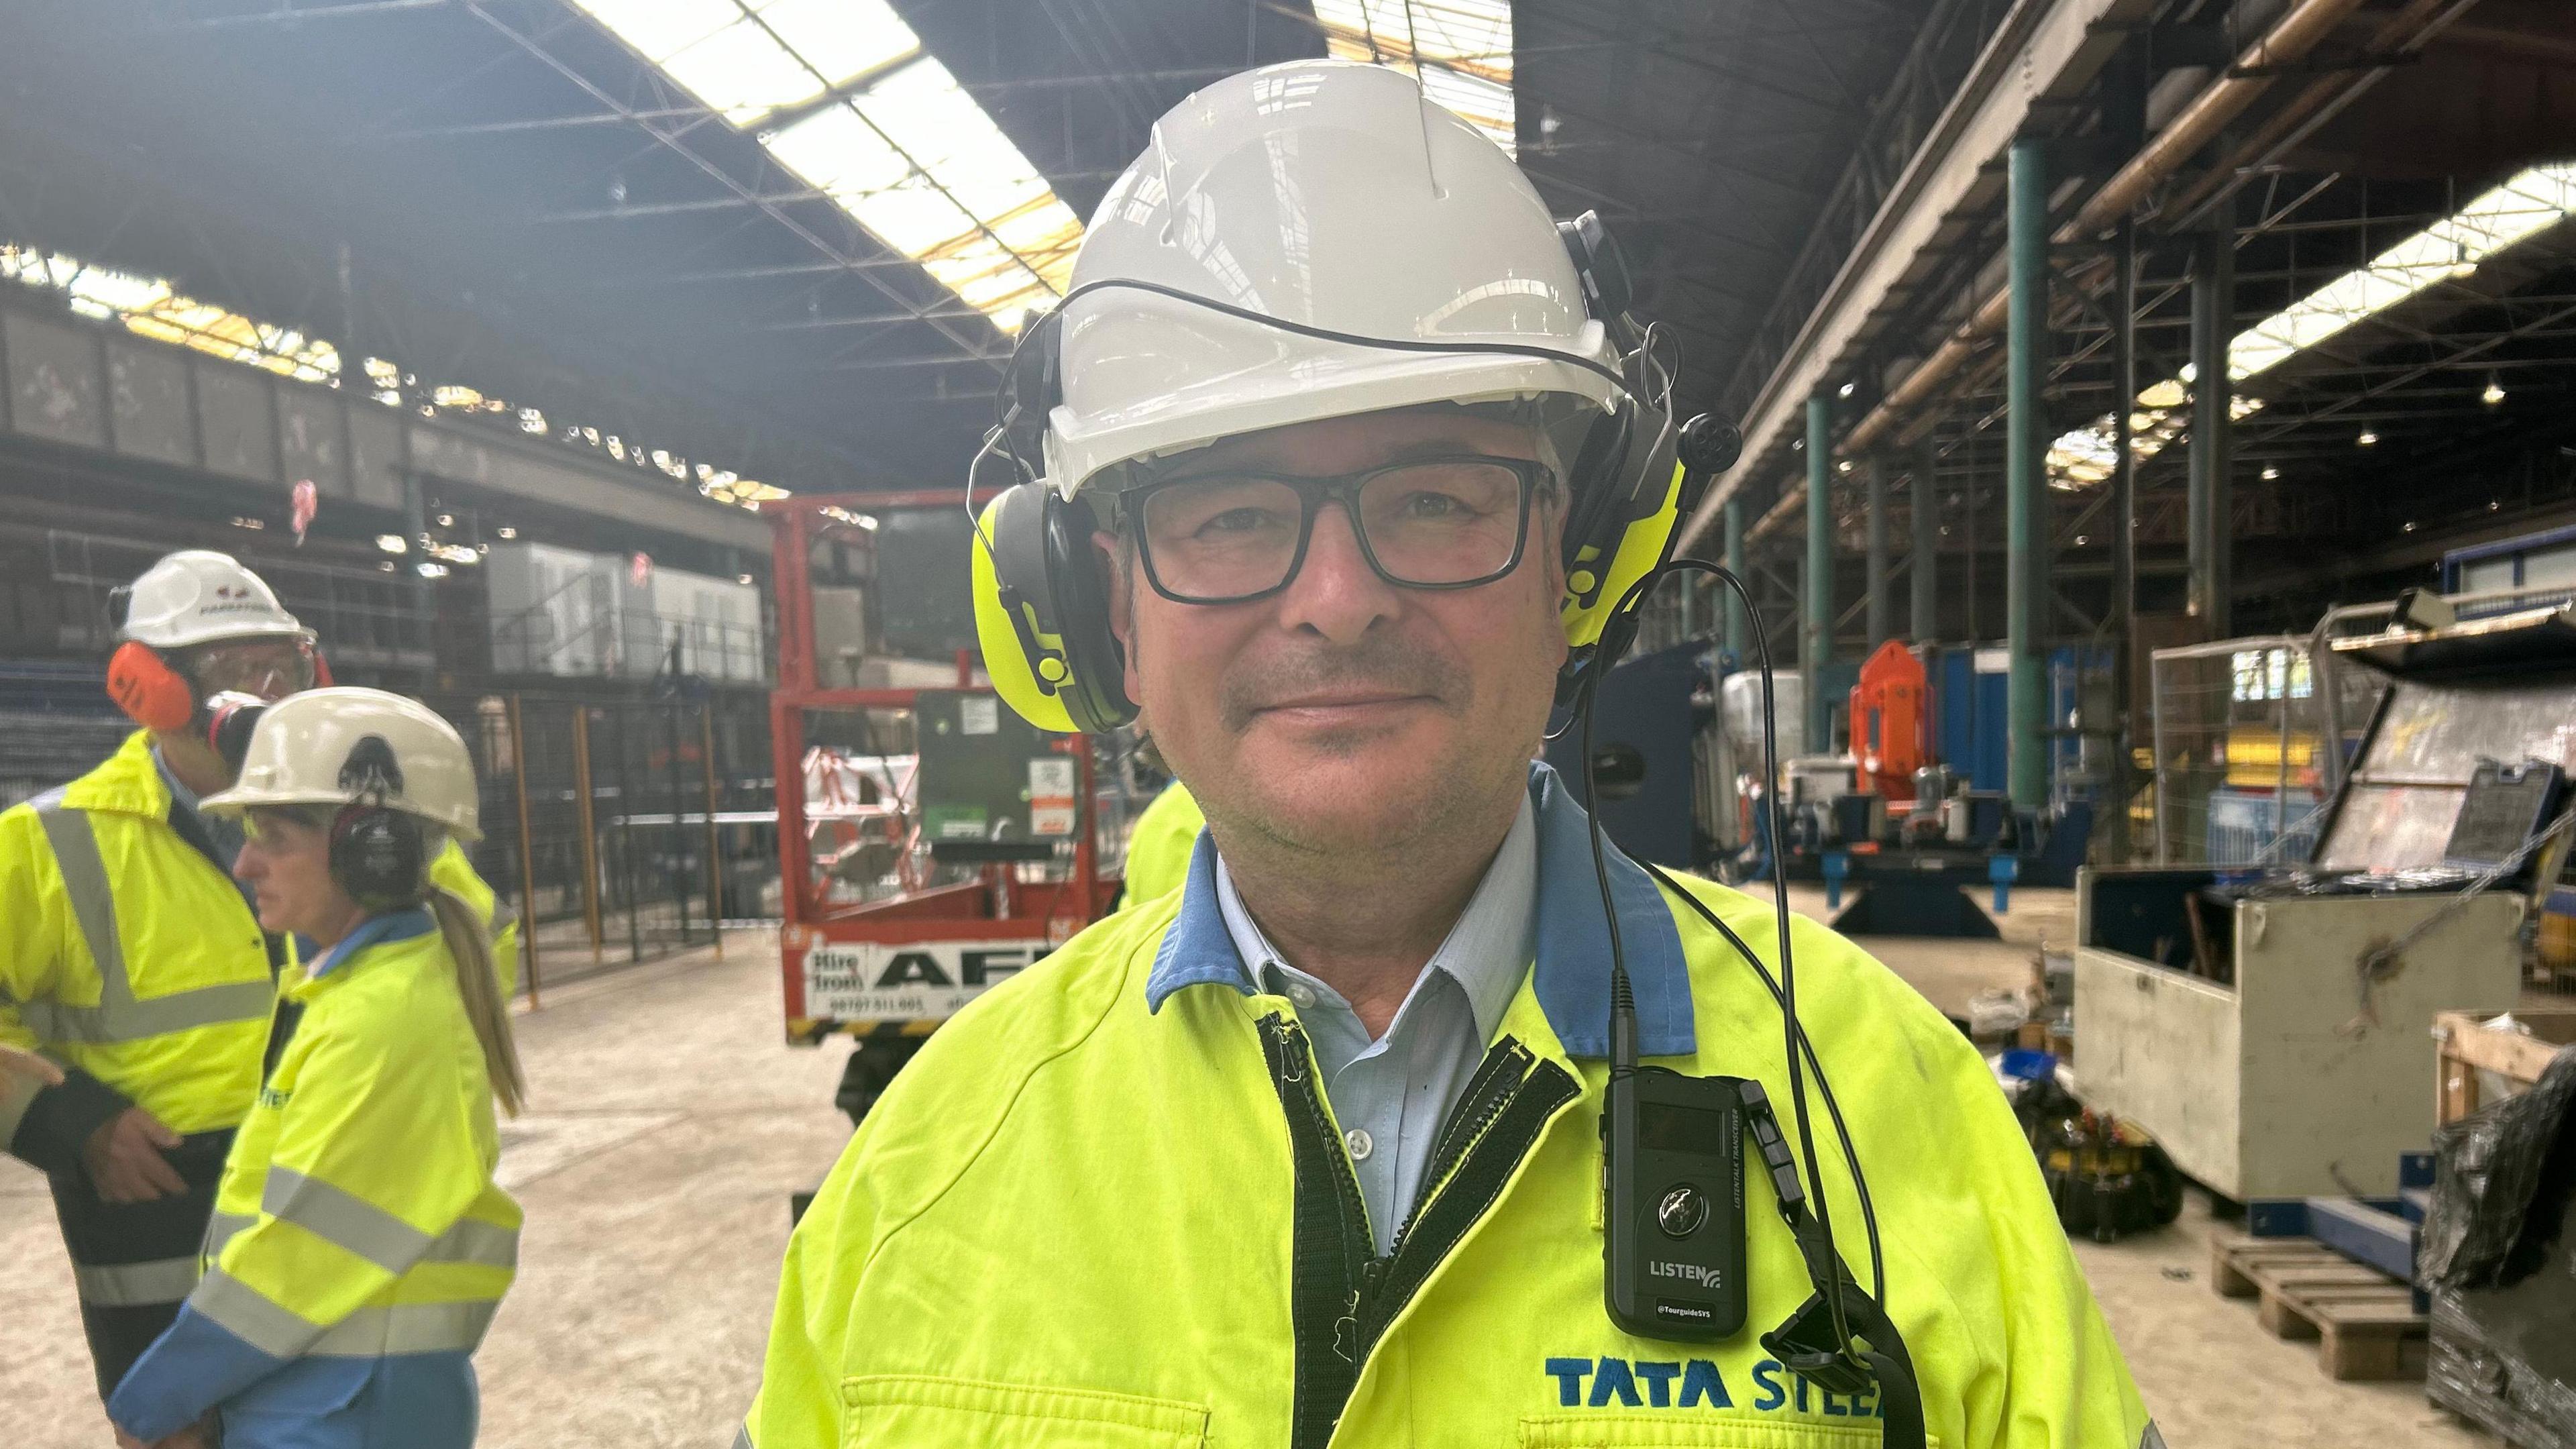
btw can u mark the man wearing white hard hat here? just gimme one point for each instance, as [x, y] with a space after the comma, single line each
[1418, 1113]
[131, 960]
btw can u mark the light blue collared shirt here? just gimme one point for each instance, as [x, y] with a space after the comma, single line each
[224, 831]
[1561, 931]
[1393, 1094]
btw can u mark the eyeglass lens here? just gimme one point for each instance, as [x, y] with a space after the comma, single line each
[1430, 524]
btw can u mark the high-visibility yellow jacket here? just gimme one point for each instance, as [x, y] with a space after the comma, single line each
[358, 1221]
[1158, 846]
[131, 958]
[1109, 1206]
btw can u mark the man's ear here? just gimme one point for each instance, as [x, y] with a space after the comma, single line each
[1111, 557]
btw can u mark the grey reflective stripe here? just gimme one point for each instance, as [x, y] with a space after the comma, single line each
[742, 1438]
[251, 1316]
[128, 1285]
[338, 1216]
[473, 1240]
[220, 1229]
[119, 1016]
[367, 1333]
[2151, 1439]
[408, 1328]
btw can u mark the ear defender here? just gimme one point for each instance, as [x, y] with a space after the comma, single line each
[1042, 613]
[379, 856]
[151, 693]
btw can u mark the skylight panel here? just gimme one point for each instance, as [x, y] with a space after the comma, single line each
[917, 162]
[2451, 248]
[749, 60]
[1460, 49]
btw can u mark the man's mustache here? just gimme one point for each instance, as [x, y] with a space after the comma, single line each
[1388, 665]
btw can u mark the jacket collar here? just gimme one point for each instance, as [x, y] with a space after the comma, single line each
[128, 782]
[400, 925]
[1572, 974]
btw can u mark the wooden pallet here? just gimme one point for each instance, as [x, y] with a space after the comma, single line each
[2364, 1321]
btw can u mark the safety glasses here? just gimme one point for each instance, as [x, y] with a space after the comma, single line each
[268, 668]
[1450, 522]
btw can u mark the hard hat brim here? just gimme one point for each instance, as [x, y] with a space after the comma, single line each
[1345, 382]
[233, 802]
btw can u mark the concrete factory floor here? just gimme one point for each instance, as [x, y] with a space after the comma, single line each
[668, 1126]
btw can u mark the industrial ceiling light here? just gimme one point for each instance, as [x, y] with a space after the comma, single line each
[505, 531]
[392, 543]
[2495, 390]
[2271, 473]
[1846, 390]
[429, 570]
[2369, 439]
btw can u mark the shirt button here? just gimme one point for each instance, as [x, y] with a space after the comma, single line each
[1302, 994]
[1359, 1142]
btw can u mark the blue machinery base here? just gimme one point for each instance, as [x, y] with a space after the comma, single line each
[1918, 893]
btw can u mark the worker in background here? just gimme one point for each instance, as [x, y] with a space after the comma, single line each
[1159, 845]
[130, 959]
[359, 1246]
[1308, 1150]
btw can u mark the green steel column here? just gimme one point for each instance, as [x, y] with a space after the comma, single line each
[1816, 621]
[1739, 631]
[2025, 491]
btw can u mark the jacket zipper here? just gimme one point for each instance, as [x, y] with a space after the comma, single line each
[1508, 1101]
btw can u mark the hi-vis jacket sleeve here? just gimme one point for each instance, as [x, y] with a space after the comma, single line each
[374, 1162]
[798, 1406]
[44, 1126]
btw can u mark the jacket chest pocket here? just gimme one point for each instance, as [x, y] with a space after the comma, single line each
[1650, 1431]
[909, 1409]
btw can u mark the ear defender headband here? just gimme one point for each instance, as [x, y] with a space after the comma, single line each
[379, 855]
[1041, 605]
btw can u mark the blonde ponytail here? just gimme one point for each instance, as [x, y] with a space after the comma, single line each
[471, 950]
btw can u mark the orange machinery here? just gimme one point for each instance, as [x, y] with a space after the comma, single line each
[1891, 715]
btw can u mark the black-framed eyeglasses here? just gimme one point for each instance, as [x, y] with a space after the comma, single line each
[1450, 522]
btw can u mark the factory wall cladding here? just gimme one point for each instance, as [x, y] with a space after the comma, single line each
[574, 614]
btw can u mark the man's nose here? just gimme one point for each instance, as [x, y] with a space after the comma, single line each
[1336, 593]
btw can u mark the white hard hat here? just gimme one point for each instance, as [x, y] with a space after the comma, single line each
[1328, 195]
[343, 745]
[197, 596]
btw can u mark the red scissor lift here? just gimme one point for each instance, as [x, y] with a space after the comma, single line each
[888, 971]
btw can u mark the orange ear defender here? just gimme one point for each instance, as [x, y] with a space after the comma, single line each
[151, 693]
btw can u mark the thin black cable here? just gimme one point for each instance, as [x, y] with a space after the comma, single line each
[1628, 604]
[1824, 1088]
[998, 435]
[1617, 379]
[1623, 1000]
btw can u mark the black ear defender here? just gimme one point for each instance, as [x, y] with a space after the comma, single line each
[379, 855]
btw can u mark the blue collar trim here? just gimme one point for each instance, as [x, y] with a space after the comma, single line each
[1572, 976]
[400, 925]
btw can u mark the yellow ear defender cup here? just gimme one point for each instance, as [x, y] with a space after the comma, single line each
[1042, 613]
